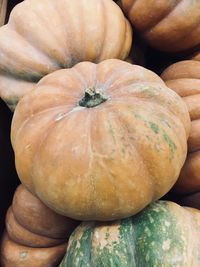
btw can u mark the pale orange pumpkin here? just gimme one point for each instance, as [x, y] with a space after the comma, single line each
[100, 141]
[43, 36]
[172, 25]
[184, 78]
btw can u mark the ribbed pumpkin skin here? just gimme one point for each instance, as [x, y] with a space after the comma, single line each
[15, 255]
[108, 161]
[164, 234]
[43, 36]
[34, 216]
[184, 78]
[30, 223]
[3, 8]
[171, 26]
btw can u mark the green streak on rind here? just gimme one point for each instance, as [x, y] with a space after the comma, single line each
[171, 144]
[152, 236]
[79, 251]
[121, 252]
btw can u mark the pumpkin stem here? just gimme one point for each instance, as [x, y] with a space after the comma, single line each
[92, 98]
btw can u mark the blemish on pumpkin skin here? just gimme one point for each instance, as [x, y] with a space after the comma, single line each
[23, 254]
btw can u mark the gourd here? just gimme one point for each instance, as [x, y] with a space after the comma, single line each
[184, 78]
[44, 36]
[100, 141]
[34, 233]
[171, 26]
[3, 8]
[163, 234]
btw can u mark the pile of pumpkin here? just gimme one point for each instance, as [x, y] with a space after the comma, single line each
[98, 141]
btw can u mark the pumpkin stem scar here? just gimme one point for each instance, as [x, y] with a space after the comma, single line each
[92, 98]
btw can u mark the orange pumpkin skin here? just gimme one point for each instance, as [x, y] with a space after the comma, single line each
[170, 26]
[184, 78]
[22, 236]
[30, 223]
[15, 255]
[34, 216]
[86, 162]
[3, 8]
[57, 39]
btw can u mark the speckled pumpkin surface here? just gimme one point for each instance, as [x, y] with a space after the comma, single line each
[184, 78]
[100, 141]
[163, 235]
[168, 25]
[43, 36]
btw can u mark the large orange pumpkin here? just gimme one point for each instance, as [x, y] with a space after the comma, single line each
[172, 25]
[43, 36]
[100, 141]
[184, 78]
[3, 8]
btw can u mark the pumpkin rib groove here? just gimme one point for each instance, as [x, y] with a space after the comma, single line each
[36, 43]
[42, 235]
[103, 32]
[185, 34]
[151, 27]
[148, 170]
[124, 44]
[35, 114]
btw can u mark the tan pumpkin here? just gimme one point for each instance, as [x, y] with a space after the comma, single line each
[43, 36]
[172, 25]
[100, 141]
[184, 78]
[3, 8]
[16, 255]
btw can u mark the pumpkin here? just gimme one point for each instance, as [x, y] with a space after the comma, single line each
[29, 222]
[171, 26]
[184, 78]
[163, 234]
[3, 8]
[17, 255]
[100, 141]
[43, 36]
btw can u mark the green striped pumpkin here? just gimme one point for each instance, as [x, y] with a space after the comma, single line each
[163, 235]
